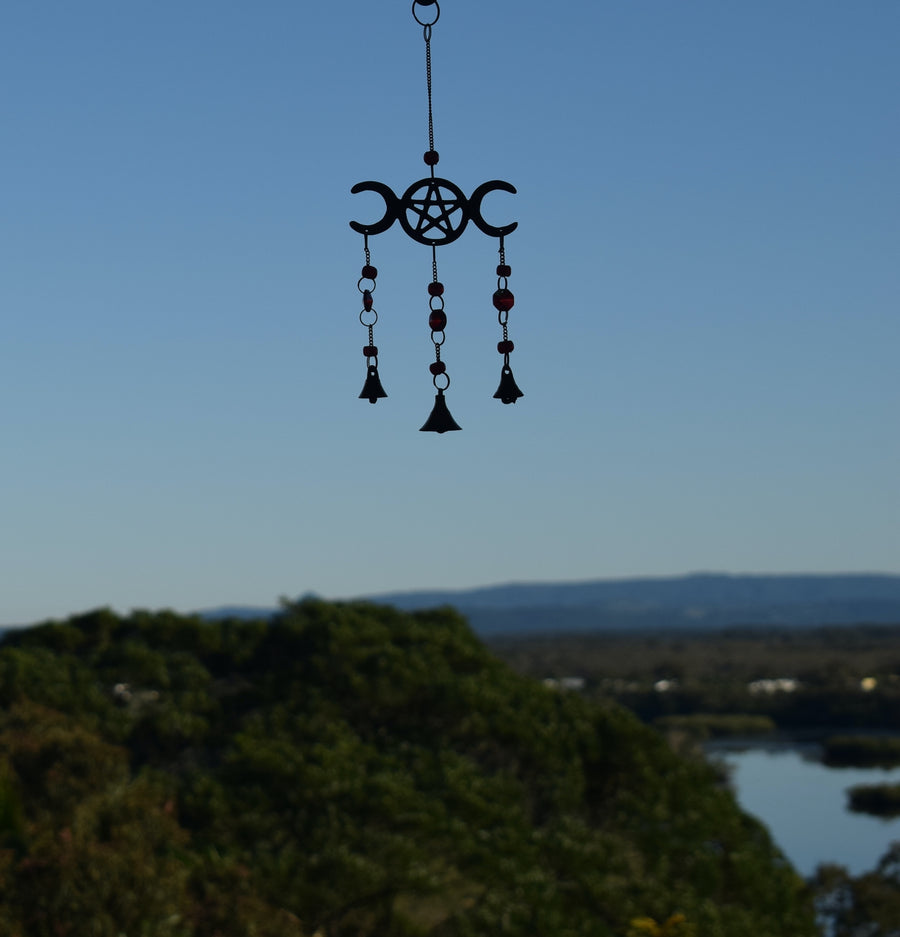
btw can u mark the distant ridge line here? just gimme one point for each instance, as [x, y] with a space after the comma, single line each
[693, 601]
[791, 586]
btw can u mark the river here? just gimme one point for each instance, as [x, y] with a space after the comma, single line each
[804, 803]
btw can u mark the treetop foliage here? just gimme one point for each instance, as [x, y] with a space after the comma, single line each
[349, 770]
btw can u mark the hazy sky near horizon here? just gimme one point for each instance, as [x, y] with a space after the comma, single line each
[705, 271]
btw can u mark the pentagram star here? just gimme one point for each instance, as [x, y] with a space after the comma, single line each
[434, 210]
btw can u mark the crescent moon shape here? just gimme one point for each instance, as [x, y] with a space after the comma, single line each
[391, 207]
[475, 207]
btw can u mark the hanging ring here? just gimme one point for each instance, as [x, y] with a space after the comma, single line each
[426, 3]
[367, 313]
[437, 386]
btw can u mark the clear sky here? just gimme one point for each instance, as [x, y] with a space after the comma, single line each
[707, 317]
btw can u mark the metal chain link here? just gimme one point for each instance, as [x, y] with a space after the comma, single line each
[368, 309]
[435, 303]
[427, 32]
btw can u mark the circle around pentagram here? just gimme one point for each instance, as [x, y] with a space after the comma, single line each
[430, 216]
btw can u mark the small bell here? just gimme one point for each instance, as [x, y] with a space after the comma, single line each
[440, 420]
[508, 391]
[372, 389]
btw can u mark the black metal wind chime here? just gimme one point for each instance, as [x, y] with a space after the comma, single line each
[434, 211]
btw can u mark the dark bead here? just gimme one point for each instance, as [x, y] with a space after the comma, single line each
[435, 289]
[503, 270]
[437, 367]
[503, 300]
[505, 347]
[431, 158]
[367, 300]
[369, 272]
[370, 351]
[437, 321]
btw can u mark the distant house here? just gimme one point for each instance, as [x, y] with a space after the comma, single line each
[772, 685]
[565, 683]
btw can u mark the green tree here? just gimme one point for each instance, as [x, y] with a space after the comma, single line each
[864, 906]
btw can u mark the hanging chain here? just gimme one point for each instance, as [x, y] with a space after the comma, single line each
[427, 33]
[372, 389]
[437, 322]
[504, 300]
[437, 318]
[431, 157]
[368, 273]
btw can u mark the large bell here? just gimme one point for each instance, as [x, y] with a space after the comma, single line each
[440, 420]
[372, 389]
[508, 391]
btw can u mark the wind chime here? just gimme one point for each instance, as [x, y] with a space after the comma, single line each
[434, 211]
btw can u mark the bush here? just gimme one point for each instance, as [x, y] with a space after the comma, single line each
[882, 800]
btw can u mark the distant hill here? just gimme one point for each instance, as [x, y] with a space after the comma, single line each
[702, 600]
[242, 612]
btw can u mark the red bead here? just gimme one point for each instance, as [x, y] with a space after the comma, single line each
[370, 351]
[503, 300]
[437, 367]
[431, 158]
[503, 270]
[505, 347]
[437, 321]
[367, 300]
[369, 272]
[435, 289]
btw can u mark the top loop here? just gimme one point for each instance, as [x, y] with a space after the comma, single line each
[426, 3]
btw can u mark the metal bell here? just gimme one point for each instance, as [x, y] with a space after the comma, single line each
[508, 391]
[440, 420]
[372, 389]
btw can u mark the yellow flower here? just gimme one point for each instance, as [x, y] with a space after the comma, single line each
[645, 925]
[676, 925]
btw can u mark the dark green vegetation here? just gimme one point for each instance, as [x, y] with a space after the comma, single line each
[350, 770]
[845, 676]
[702, 726]
[867, 906]
[741, 681]
[862, 751]
[882, 800]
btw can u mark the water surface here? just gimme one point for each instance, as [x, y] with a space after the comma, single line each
[804, 803]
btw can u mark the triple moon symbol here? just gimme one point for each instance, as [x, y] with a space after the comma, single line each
[433, 211]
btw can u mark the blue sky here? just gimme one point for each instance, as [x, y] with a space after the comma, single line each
[705, 270]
